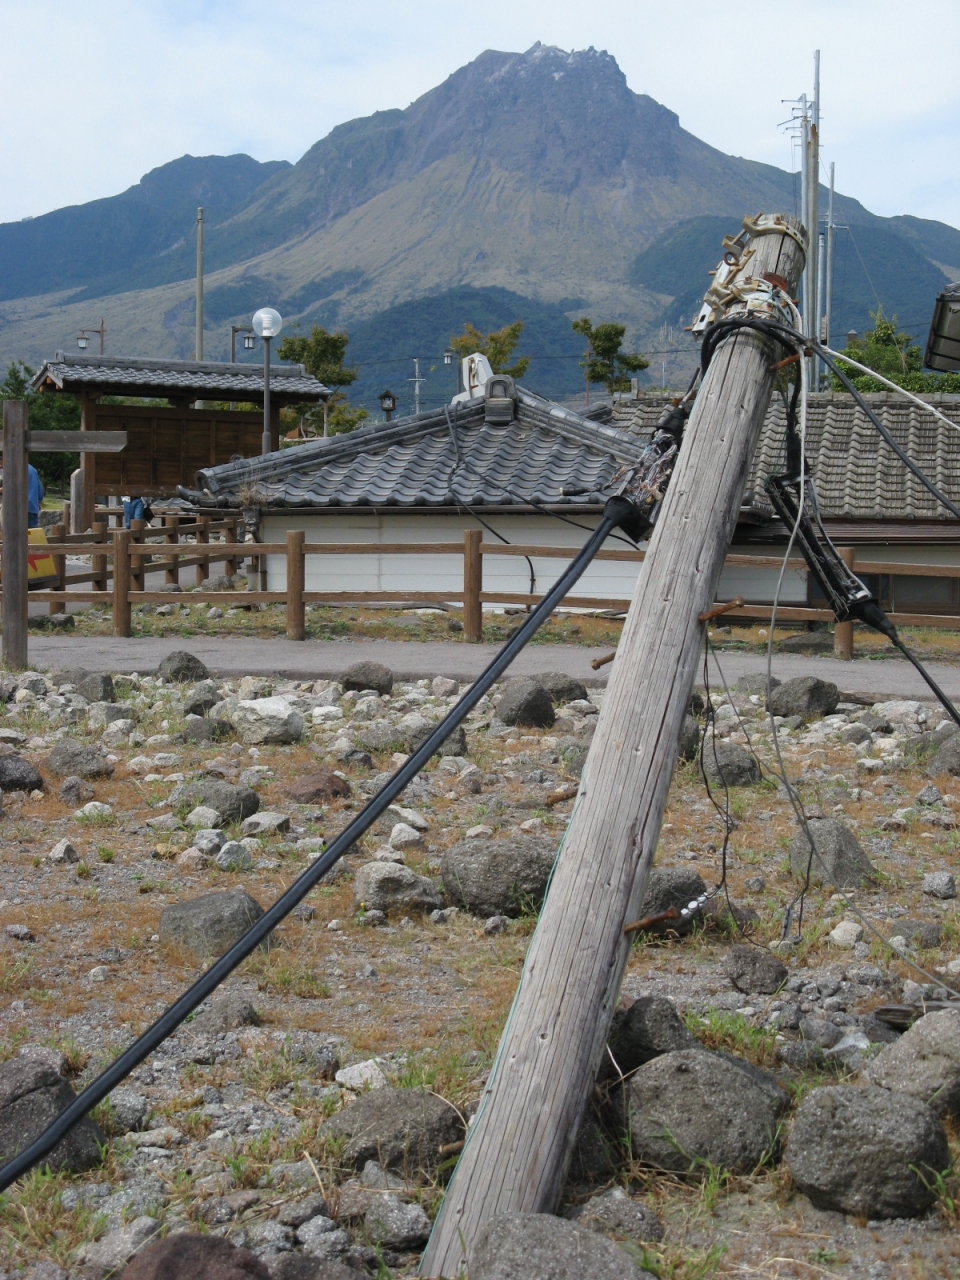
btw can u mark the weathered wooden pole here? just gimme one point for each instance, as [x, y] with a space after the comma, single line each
[843, 631]
[472, 586]
[296, 577]
[14, 607]
[518, 1151]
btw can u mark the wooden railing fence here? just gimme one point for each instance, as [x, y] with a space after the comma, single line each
[122, 560]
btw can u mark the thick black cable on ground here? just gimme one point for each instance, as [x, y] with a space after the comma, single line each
[616, 512]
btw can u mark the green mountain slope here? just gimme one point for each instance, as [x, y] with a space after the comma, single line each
[142, 237]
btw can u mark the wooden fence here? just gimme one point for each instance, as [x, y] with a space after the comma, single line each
[121, 561]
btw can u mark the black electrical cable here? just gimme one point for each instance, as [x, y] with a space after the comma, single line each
[617, 510]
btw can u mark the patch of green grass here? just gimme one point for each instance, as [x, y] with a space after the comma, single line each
[105, 854]
[14, 975]
[732, 1033]
[36, 1227]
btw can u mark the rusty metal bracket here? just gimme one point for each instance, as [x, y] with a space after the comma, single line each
[737, 602]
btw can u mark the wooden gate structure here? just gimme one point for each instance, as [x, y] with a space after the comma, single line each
[186, 420]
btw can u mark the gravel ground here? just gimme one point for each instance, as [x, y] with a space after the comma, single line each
[222, 1129]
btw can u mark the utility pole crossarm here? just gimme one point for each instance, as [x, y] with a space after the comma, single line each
[519, 1148]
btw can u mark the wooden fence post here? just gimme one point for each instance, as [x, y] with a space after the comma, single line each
[203, 535]
[230, 536]
[98, 564]
[55, 534]
[137, 563]
[65, 518]
[472, 586]
[121, 581]
[523, 1135]
[171, 534]
[843, 631]
[14, 588]
[296, 574]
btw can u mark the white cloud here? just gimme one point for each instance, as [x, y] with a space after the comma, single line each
[97, 94]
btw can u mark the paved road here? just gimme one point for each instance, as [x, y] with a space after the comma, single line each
[411, 660]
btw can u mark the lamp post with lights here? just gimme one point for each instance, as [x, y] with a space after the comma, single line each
[249, 341]
[83, 337]
[267, 324]
[388, 402]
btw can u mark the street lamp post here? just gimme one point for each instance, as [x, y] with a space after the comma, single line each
[248, 340]
[449, 356]
[83, 337]
[388, 402]
[267, 324]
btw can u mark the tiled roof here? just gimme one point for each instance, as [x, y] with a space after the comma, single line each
[424, 461]
[125, 376]
[857, 476]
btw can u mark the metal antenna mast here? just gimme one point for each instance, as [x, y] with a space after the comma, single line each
[416, 380]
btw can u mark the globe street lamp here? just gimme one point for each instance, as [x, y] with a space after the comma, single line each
[267, 324]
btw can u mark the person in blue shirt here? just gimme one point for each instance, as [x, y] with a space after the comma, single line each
[34, 497]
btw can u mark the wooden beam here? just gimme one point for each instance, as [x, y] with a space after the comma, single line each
[524, 1133]
[13, 607]
[76, 442]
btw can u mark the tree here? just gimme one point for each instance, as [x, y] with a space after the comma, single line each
[497, 347]
[892, 353]
[604, 361]
[323, 354]
[48, 412]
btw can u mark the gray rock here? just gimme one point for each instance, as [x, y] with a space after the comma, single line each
[208, 925]
[671, 887]
[96, 687]
[391, 887]
[232, 803]
[527, 703]
[17, 774]
[615, 1211]
[391, 1222]
[855, 733]
[649, 1028]
[32, 1094]
[756, 684]
[839, 859]
[753, 969]
[806, 697]
[298, 1212]
[226, 1013]
[857, 1151]
[206, 729]
[130, 1109]
[923, 746]
[728, 762]
[498, 877]
[402, 1129]
[196, 1257]
[456, 744]
[598, 1154]
[939, 884]
[924, 1063]
[689, 739]
[71, 758]
[74, 792]
[116, 1248]
[182, 667]
[301, 1266]
[820, 1032]
[691, 1106]
[265, 822]
[380, 735]
[946, 756]
[537, 1246]
[367, 675]
[233, 857]
[562, 688]
[320, 1052]
[267, 720]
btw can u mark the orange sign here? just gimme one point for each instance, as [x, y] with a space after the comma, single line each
[40, 567]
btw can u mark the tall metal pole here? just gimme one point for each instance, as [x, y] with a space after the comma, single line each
[103, 333]
[805, 199]
[199, 343]
[828, 291]
[813, 201]
[14, 589]
[266, 445]
[520, 1142]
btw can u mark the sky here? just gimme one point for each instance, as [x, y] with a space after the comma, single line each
[96, 94]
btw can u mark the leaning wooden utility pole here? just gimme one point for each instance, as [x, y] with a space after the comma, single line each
[518, 1151]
